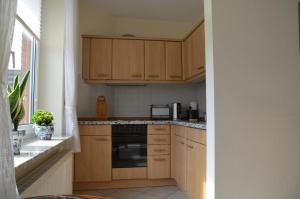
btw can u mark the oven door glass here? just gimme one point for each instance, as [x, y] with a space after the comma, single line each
[128, 152]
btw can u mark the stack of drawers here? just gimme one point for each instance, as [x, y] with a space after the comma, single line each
[159, 151]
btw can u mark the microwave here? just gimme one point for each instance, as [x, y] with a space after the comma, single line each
[160, 112]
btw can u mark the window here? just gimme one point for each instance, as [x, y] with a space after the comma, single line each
[24, 58]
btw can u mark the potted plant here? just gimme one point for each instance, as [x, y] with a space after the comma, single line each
[43, 124]
[17, 111]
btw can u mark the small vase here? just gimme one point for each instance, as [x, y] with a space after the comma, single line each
[17, 139]
[44, 132]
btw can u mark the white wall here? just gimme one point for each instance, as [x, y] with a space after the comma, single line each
[152, 28]
[50, 83]
[135, 101]
[255, 74]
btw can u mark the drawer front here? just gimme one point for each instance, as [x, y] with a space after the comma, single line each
[158, 129]
[158, 139]
[95, 129]
[159, 166]
[197, 135]
[179, 130]
[158, 149]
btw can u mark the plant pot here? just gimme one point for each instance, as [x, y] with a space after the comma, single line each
[44, 132]
[16, 141]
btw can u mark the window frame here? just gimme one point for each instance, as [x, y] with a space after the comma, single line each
[34, 65]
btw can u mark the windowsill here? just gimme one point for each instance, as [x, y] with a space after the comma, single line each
[35, 151]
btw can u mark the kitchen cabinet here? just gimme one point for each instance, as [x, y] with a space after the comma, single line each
[180, 162]
[128, 59]
[159, 159]
[155, 60]
[173, 61]
[93, 163]
[100, 59]
[195, 172]
[194, 53]
[189, 161]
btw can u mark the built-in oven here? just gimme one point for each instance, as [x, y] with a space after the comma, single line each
[129, 146]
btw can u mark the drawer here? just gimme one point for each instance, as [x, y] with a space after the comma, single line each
[158, 149]
[159, 166]
[179, 130]
[95, 129]
[158, 139]
[197, 135]
[158, 129]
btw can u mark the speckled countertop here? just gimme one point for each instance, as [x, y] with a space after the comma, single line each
[198, 125]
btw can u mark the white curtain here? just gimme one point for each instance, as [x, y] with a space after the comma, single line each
[8, 188]
[70, 64]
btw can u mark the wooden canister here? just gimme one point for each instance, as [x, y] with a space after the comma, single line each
[101, 108]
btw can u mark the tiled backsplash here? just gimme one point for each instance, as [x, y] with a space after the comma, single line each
[135, 101]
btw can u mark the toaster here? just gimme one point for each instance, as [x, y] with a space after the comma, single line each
[160, 112]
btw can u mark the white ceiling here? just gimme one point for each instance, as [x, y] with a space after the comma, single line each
[172, 10]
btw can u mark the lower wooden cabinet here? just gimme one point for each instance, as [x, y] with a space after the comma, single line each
[195, 172]
[189, 161]
[159, 166]
[180, 162]
[93, 163]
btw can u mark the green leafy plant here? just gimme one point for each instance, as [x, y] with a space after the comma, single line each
[15, 98]
[43, 118]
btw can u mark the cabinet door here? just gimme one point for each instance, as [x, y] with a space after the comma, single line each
[159, 167]
[173, 61]
[180, 162]
[155, 60]
[198, 51]
[187, 57]
[86, 51]
[93, 163]
[100, 59]
[128, 59]
[196, 168]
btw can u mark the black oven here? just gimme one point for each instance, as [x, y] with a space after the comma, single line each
[129, 146]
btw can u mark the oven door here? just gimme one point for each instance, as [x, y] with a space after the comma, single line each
[129, 151]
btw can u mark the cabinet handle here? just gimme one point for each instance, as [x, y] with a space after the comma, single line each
[175, 76]
[160, 159]
[160, 129]
[191, 147]
[159, 140]
[102, 75]
[101, 139]
[137, 75]
[159, 150]
[181, 142]
[153, 76]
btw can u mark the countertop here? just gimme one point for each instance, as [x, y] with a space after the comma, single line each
[197, 125]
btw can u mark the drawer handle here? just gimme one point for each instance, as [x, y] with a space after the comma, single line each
[137, 75]
[160, 129]
[101, 139]
[191, 147]
[199, 68]
[160, 140]
[175, 76]
[160, 159]
[102, 75]
[181, 142]
[153, 76]
[159, 150]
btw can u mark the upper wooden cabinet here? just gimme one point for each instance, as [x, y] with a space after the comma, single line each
[173, 61]
[128, 59]
[194, 53]
[155, 60]
[100, 59]
[143, 60]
